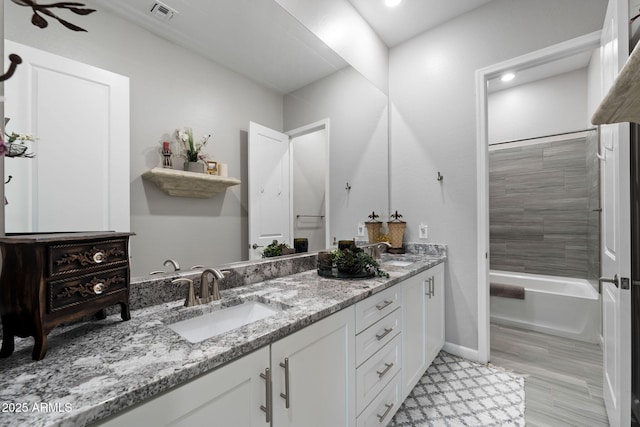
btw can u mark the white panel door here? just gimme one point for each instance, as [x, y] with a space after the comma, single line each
[616, 230]
[79, 179]
[269, 186]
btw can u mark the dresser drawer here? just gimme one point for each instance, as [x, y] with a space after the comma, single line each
[374, 308]
[372, 339]
[374, 374]
[82, 256]
[79, 290]
[383, 407]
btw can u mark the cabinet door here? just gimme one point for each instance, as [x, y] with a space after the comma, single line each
[229, 396]
[414, 332]
[435, 313]
[319, 380]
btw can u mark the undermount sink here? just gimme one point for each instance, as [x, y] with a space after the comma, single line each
[398, 263]
[220, 321]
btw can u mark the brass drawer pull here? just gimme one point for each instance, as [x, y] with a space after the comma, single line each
[383, 416]
[98, 288]
[99, 257]
[386, 332]
[384, 305]
[385, 370]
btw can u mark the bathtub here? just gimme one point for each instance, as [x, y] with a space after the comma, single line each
[554, 305]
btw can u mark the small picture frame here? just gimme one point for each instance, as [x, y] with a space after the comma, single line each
[212, 167]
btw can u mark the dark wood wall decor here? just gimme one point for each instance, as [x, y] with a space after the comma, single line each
[49, 279]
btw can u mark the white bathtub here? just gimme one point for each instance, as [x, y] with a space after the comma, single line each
[554, 305]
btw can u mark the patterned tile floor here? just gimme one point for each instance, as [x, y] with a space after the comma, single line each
[458, 392]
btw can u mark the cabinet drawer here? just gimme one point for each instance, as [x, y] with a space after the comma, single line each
[374, 308]
[78, 290]
[75, 257]
[383, 407]
[372, 339]
[374, 374]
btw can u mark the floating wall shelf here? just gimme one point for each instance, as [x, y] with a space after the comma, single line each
[189, 184]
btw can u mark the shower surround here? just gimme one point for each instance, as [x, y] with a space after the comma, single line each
[543, 207]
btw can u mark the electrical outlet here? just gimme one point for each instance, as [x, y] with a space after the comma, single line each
[423, 231]
[361, 229]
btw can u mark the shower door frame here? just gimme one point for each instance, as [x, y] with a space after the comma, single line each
[588, 42]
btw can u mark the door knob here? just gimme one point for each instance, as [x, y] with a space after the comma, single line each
[608, 280]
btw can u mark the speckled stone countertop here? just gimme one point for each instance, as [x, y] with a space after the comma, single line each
[97, 368]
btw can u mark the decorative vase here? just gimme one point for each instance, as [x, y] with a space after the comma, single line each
[373, 230]
[396, 236]
[194, 167]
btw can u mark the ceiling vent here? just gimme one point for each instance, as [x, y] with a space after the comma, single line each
[162, 11]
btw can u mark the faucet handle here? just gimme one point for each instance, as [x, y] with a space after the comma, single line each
[191, 295]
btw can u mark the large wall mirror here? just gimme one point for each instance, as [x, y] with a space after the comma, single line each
[215, 67]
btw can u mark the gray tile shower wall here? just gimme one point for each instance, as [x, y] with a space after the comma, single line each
[540, 201]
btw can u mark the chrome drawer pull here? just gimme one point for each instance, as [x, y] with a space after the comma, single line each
[98, 257]
[384, 372]
[386, 332]
[285, 395]
[385, 304]
[267, 383]
[383, 416]
[98, 288]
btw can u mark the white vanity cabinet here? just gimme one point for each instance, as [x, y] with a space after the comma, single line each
[314, 368]
[379, 357]
[313, 372]
[422, 323]
[229, 396]
[435, 312]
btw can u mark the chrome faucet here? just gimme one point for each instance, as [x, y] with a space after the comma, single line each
[377, 249]
[173, 262]
[218, 275]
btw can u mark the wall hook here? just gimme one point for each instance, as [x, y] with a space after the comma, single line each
[440, 177]
[8, 179]
[348, 187]
[15, 60]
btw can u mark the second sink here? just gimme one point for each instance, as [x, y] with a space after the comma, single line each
[220, 321]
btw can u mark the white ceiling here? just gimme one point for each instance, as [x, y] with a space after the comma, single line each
[255, 38]
[259, 39]
[410, 17]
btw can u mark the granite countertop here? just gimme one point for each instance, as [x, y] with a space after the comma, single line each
[97, 368]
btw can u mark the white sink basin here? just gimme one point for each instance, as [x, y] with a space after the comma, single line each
[218, 322]
[398, 263]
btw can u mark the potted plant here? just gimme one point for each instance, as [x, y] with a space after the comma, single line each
[277, 249]
[353, 261]
[192, 149]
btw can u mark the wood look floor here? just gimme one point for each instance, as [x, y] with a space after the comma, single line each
[564, 377]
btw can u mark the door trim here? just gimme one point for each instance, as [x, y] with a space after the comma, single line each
[580, 44]
[304, 130]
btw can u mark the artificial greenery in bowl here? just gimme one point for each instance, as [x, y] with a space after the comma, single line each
[354, 261]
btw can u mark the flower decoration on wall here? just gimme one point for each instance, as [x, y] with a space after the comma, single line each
[46, 9]
[192, 149]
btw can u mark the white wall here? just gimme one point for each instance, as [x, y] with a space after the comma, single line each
[358, 144]
[342, 28]
[594, 85]
[309, 169]
[170, 88]
[432, 94]
[545, 107]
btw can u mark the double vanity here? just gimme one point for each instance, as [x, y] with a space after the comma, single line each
[295, 349]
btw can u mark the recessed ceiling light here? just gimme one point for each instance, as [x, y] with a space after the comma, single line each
[392, 3]
[507, 77]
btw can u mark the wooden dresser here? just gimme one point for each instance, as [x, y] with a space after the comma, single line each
[48, 279]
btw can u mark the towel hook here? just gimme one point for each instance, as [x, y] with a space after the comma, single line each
[440, 177]
[348, 187]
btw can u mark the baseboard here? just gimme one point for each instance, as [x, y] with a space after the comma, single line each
[465, 352]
